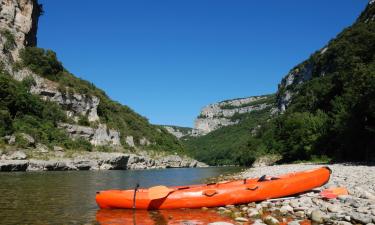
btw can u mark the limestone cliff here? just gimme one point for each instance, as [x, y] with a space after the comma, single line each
[303, 72]
[224, 113]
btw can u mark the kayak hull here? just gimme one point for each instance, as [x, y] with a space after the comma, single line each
[218, 194]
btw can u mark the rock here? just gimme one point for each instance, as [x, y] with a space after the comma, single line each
[342, 223]
[99, 136]
[30, 140]
[130, 141]
[270, 220]
[334, 208]
[294, 203]
[293, 223]
[17, 155]
[241, 219]
[179, 132]
[317, 216]
[360, 218]
[286, 209]
[299, 214]
[373, 212]
[266, 160]
[41, 148]
[368, 195]
[219, 114]
[253, 213]
[11, 139]
[13, 165]
[58, 149]
[220, 223]
[363, 209]
[144, 142]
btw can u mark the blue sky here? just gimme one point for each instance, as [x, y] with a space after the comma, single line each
[166, 59]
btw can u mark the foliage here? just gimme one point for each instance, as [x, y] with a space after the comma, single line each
[115, 115]
[42, 62]
[331, 116]
[10, 42]
[22, 112]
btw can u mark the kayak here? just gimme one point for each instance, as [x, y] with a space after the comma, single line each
[215, 194]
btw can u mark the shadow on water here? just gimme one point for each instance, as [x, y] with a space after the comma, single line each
[161, 217]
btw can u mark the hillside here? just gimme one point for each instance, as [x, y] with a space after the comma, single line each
[326, 108]
[41, 100]
[223, 130]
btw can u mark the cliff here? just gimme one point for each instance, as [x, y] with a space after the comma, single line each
[226, 113]
[75, 114]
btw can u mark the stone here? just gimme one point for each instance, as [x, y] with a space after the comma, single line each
[334, 208]
[241, 219]
[130, 141]
[342, 223]
[294, 203]
[41, 148]
[293, 223]
[220, 223]
[299, 214]
[373, 212]
[363, 209]
[17, 155]
[253, 213]
[13, 165]
[286, 209]
[360, 218]
[270, 220]
[267, 160]
[11, 139]
[99, 136]
[30, 140]
[58, 149]
[317, 216]
[368, 195]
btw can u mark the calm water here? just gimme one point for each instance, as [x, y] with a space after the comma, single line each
[69, 197]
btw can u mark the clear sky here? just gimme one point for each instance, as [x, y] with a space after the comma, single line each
[166, 59]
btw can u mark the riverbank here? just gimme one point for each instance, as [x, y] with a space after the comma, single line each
[19, 161]
[356, 208]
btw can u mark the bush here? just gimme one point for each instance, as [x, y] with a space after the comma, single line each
[42, 62]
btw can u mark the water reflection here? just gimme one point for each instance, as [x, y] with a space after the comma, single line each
[161, 217]
[69, 197]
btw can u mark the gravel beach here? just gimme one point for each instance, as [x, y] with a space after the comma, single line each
[356, 208]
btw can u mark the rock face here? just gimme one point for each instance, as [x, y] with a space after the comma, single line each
[18, 25]
[294, 77]
[95, 161]
[179, 132]
[97, 136]
[223, 113]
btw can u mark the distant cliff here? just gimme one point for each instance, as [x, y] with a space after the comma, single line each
[228, 112]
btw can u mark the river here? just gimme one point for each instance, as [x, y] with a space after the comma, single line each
[69, 197]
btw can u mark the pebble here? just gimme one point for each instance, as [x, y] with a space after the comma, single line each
[253, 213]
[220, 223]
[373, 212]
[286, 209]
[293, 223]
[334, 208]
[363, 209]
[241, 219]
[299, 214]
[270, 220]
[343, 223]
[317, 216]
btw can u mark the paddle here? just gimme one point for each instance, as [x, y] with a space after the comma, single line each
[158, 192]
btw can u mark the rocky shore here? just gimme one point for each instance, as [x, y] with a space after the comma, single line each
[19, 161]
[356, 208]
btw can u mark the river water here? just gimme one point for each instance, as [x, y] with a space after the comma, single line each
[69, 197]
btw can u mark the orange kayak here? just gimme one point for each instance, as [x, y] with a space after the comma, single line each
[218, 194]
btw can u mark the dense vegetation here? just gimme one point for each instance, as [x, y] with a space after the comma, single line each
[116, 116]
[22, 112]
[330, 116]
[229, 145]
